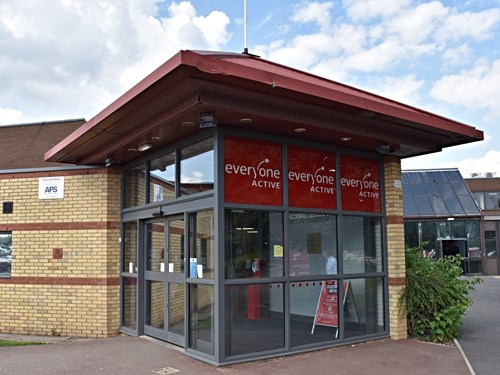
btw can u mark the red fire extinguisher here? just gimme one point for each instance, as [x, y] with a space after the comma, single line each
[254, 292]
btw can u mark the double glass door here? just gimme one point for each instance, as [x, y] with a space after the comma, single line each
[165, 279]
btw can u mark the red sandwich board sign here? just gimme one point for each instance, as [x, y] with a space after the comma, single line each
[327, 311]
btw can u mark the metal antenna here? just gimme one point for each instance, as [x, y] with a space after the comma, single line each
[245, 47]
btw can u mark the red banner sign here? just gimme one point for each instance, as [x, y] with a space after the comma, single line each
[360, 184]
[327, 312]
[311, 178]
[252, 172]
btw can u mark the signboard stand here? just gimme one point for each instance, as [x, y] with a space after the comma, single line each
[327, 313]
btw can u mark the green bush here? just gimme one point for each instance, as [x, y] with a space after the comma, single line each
[435, 297]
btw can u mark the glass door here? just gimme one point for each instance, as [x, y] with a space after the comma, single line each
[154, 278]
[176, 281]
[164, 277]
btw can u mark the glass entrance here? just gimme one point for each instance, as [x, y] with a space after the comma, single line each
[164, 277]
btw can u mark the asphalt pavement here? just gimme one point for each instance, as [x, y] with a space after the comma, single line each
[480, 332]
[125, 355]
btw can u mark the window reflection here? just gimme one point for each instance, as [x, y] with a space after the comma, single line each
[362, 244]
[254, 244]
[201, 313]
[197, 167]
[135, 186]
[201, 243]
[130, 247]
[312, 243]
[129, 297]
[5, 254]
[313, 312]
[364, 307]
[162, 178]
[254, 318]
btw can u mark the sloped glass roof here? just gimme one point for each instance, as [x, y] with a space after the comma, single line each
[437, 193]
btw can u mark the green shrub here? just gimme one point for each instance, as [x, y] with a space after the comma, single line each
[435, 297]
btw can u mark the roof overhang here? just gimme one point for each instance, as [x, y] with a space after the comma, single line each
[278, 99]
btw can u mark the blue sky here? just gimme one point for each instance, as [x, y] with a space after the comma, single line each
[62, 59]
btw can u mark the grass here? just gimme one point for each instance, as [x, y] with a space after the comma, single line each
[18, 343]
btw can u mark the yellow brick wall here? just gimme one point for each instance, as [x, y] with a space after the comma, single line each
[395, 245]
[65, 255]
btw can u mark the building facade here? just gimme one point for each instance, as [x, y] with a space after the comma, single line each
[442, 216]
[59, 232]
[486, 191]
[260, 208]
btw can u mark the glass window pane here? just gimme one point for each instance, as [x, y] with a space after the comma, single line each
[201, 245]
[479, 198]
[5, 254]
[254, 318]
[490, 242]
[254, 244]
[362, 244]
[176, 245]
[473, 231]
[411, 234]
[312, 243]
[135, 186]
[197, 167]
[176, 293]
[130, 247]
[201, 313]
[492, 201]
[155, 298]
[162, 178]
[364, 307]
[313, 312]
[155, 247]
[129, 296]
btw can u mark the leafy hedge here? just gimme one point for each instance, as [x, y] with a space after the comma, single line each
[435, 297]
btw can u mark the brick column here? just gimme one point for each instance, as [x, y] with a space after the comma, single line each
[395, 245]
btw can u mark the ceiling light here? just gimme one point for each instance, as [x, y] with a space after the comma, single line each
[188, 123]
[246, 120]
[155, 138]
[345, 139]
[144, 147]
[299, 130]
[131, 149]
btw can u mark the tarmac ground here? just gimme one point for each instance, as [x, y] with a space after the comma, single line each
[474, 353]
[126, 355]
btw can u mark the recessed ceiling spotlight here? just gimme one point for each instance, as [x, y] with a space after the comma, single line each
[188, 123]
[144, 147]
[299, 130]
[246, 120]
[155, 138]
[345, 139]
[131, 149]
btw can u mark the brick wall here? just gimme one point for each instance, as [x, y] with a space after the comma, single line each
[65, 255]
[395, 245]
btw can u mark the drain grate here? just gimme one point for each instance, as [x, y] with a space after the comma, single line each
[166, 370]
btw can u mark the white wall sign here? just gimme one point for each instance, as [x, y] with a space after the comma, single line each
[50, 187]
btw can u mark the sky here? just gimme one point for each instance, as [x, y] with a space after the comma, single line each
[68, 59]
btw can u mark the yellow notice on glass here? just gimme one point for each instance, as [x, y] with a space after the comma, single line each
[278, 251]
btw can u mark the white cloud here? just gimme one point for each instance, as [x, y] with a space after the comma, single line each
[314, 12]
[9, 116]
[73, 57]
[476, 89]
[457, 55]
[478, 25]
[416, 24]
[489, 162]
[405, 89]
[368, 9]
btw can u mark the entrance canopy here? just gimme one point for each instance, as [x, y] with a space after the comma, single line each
[197, 89]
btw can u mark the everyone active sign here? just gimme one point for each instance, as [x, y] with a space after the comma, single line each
[254, 174]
